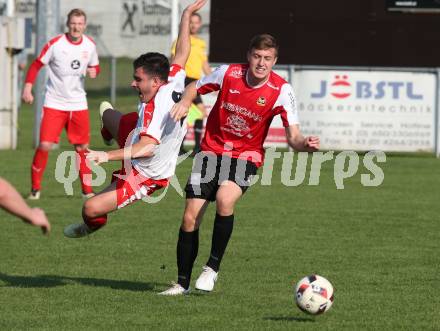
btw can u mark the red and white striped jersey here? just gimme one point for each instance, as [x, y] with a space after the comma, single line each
[155, 121]
[67, 65]
[240, 119]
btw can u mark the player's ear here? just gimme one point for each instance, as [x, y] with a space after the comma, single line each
[248, 56]
[157, 82]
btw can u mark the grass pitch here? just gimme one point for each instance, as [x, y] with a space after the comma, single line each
[377, 245]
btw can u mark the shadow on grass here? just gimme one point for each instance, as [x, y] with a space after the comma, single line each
[46, 281]
[289, 319]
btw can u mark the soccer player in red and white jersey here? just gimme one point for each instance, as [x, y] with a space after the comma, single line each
[69, 57]
[149, 140]
[250, 95]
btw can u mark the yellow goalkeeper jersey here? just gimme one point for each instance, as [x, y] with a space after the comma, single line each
[196, 58]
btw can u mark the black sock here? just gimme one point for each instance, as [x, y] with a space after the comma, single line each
[187, 248]
[223, 226]
[198, 130]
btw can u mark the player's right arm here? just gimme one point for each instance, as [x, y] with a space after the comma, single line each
[43, 59]
[183, 44]
[30, 78]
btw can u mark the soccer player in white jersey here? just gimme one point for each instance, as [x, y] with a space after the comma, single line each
[149, 140]
[250, 95]
[69, 57]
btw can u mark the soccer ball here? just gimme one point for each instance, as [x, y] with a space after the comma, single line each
[314, 294]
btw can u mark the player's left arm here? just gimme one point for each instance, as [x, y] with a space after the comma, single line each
[93, 68]
[285, 105]
[183, 44]
[143, 148]
[300, 143]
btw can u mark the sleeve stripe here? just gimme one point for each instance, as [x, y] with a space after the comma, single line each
[174, 69]
[207, 88]
[48, 45]
[144, 134]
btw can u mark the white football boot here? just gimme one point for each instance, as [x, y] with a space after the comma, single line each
[34, 195]
[175, 289]
[77, 230]
[102, 108]
[207, 279]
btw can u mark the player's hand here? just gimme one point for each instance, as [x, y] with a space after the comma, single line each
[179, 111]
[27, 94]
[91, 71]
[96, 157]
[311, 143]
[195, 6]
[39, 219]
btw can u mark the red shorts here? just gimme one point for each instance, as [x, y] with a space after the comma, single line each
[77, 125]
[134, 186]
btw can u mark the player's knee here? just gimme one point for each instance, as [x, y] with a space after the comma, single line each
[91, 209]
[189, 221]
[225, 206]
[80, 148]
[45, 146]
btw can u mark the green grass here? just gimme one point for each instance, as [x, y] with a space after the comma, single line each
[377, 245]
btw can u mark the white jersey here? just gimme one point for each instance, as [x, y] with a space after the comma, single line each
[67, 65]
[155, 121]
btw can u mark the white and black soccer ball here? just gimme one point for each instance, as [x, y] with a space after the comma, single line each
[314, 294]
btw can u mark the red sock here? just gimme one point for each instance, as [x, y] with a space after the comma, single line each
[95, 223]
[85, 173]
[106, 134]
[38, 166]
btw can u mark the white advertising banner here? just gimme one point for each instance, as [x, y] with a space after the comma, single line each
[132, 27]
[365, 110]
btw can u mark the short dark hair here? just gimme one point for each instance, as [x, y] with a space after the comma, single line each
[153, 64]
[76, 12]
[263, 41]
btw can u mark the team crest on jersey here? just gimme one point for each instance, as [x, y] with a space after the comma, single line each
[261, 101]
[75, 64]
[85, 55]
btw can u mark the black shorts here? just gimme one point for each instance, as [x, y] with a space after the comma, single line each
[210, 170]
[198, 99]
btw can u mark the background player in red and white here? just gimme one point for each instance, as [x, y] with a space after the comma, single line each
[250, 95]
[69, 57]
[149, 140]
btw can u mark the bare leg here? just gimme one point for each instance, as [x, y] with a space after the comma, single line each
[193, 215]
[102, 203]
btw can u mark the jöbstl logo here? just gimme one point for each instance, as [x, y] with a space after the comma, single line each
[342, 87]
